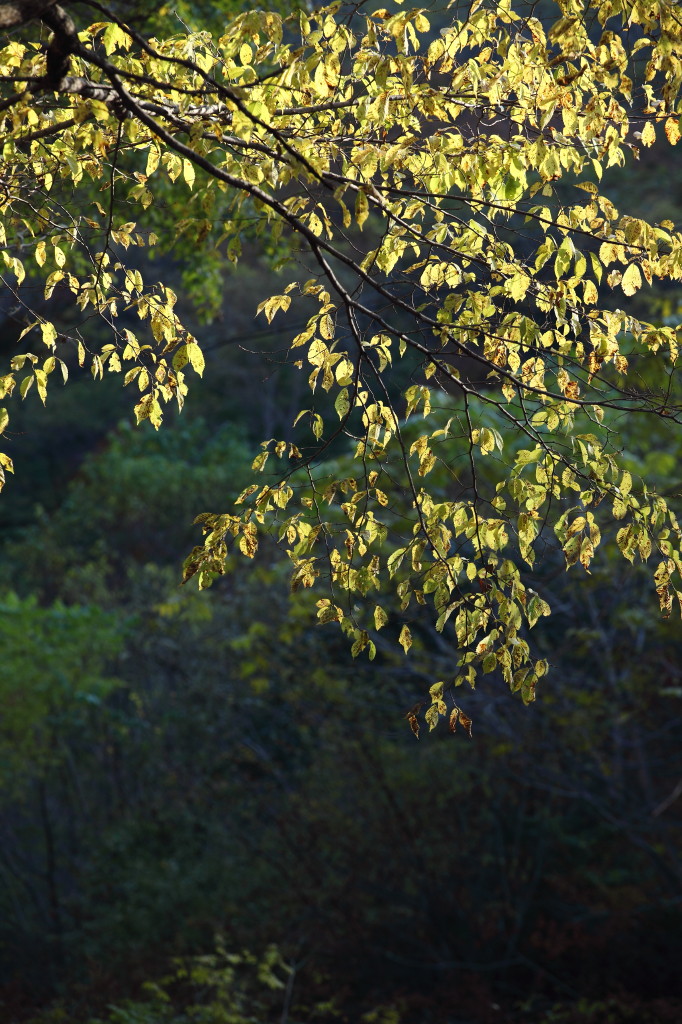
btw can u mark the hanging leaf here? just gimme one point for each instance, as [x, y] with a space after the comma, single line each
[405, 638]
[632, 280]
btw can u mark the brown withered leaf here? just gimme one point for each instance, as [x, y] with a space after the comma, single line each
[453, 719]
[466, 722]
[415, 709]
[414, 724]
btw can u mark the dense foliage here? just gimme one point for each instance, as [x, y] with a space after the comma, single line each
[442, 195]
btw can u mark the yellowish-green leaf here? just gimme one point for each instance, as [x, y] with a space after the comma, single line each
[380, 617]
[361, 208]
[405, 638]
[342, 403]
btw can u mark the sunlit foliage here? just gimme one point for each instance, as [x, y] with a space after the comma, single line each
[443, 195]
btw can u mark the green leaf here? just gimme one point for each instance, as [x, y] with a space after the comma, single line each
[361, 208]
[342, 403]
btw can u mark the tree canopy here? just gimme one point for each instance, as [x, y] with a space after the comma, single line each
[437, 201]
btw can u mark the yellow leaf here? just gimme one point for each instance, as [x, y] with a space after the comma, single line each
[672, 130]
[632, 280]
[49, 334]
[327, 327]
[152, 160]
[609, 253]
[188, 172]
[270, 307]
[344, 372]
[648, 134]
[590, 293]
[195, 357]
[180, 358]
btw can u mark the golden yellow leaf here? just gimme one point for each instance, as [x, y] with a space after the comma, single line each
[632, 280]
[648, 134]
[672, 130]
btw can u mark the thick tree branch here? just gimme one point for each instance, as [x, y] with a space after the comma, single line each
[12, 15]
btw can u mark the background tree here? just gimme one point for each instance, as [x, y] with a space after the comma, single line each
[193, 784]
